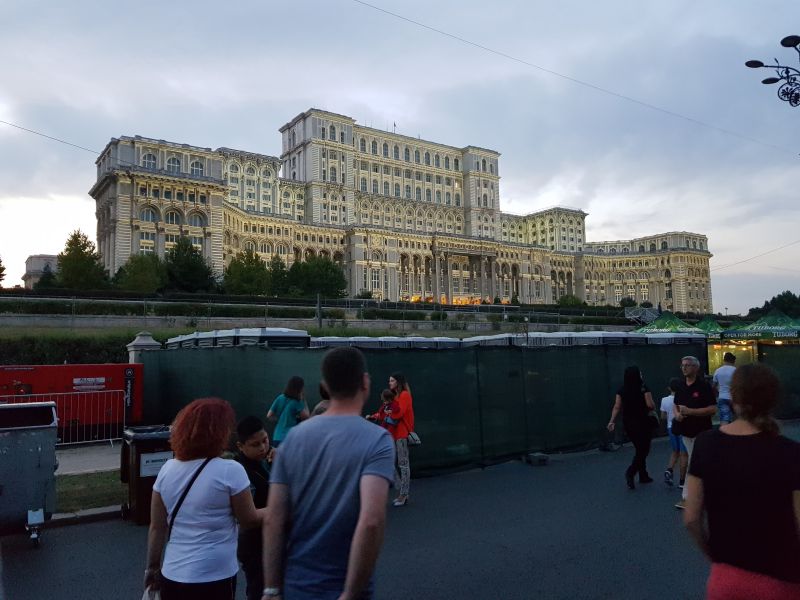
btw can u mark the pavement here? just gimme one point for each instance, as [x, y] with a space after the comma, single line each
[568, 530]
[90, 458]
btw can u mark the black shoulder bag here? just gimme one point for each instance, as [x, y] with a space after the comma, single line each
[183, 497]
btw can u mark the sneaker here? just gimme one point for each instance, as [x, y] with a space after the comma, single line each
[645, 478]
[681, 484]
[680, 505]
[668, 478]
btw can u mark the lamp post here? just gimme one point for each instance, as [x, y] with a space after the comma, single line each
[789, 90]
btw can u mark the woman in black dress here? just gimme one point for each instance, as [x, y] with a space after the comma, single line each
[635, 401]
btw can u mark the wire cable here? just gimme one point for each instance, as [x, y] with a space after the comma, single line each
[49, 137]
[756, 256]
[577, 81]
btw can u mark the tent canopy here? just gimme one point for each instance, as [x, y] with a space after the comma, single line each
[773, 325]
[711, 328]
[668, 323]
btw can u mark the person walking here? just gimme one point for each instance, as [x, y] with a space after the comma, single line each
[679, 454]
[329, 487]
[197, 499]
[722, 387]
[694, 407]
[288, 409]
[254, 454]
[744, 480]
[403, 415]
[635, 401]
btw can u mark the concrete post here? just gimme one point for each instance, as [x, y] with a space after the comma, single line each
[142, 343]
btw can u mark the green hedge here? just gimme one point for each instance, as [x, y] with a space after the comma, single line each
[374, 314]
[57, 349]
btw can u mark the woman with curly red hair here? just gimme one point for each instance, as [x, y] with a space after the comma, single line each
[200, 532]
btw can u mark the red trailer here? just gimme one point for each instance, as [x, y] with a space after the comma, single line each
[93, 402]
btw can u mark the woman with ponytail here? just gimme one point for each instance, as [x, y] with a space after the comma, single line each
[745, 477]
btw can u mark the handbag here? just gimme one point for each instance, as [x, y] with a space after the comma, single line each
[151, 594]
[413, 439]
[653, 420]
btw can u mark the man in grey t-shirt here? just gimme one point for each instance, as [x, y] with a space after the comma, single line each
[722, 387]
[329, 485]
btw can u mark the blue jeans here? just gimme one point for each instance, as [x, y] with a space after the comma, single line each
[725, 410]
[676, 442]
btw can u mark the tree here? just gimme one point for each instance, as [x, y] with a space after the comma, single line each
[47, 281]
[79, 265]
[627, 302]
[317, 275]
[570, 300]
[2, 270]
[786, 302]
[142, 273]
[246, 274]
[187, 270]
[276, 277]
[646, 304]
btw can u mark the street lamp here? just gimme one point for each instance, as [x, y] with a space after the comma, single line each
[789, 91]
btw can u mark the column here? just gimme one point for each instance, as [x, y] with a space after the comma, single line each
[436, 267]
[449, 278]
[492, 279]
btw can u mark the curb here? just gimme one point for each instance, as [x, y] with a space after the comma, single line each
[89, 515]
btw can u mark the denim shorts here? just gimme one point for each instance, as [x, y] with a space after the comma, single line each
[725, 410]
[675, 442]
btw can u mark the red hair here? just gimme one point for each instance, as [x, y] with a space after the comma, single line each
[202, 429]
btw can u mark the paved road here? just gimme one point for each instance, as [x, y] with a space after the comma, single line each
[568, 530]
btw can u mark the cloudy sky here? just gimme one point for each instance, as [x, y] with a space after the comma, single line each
[230, 74]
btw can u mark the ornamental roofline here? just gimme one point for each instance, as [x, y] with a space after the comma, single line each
[246, 154]
[647, 237]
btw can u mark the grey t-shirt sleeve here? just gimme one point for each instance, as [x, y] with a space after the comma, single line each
[380, 460]
[277, 472]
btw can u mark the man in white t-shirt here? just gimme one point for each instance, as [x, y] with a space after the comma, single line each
[676, 443]
[722, 387]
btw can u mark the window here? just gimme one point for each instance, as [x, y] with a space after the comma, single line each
[197, 168]
[438, 180]
[483, 165]
[179, 196]
[458, 199]
[396, 153]
[418, 194]
[333, 174]
[374, 186]
[172, 218]
[407, 155]
[427, 177]
[397, 190]
[416, 156]
[266, 173]
[427, 158]
[386, 149]
[385, 188]
[173, 165]
[408, 192]
[447, 197]
[234, 168]
[447, 162]
[197, 220]
[149, 161]
[374, 147]
[427, 195]
[455, 164]
[362, 145]
[436, 160]
[332, 133]
[438, 197]
[363, 184]
[148, 214]
[147, 241]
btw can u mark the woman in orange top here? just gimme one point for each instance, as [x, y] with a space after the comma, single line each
[404, 416]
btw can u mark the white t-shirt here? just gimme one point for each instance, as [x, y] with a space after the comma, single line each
[203, 543]
[722, 379]
[668, 406]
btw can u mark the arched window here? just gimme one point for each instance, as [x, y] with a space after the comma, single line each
[266, 173]
[407, 155]
[438, 197]
[408, 192]
[363, 184]
[148, 214]
[455, 164]
[447, 197]
[374, 186]
[234, 168]
[374, 147]
[427, 158]
[172, 218]
[396, 153]
[173, 165]
[385, 188]
[483, 165]
[386, 149]
[197, 168]
[197, 220]
[641, 247]
[333, 174]
[332, 133]
[652, 247]
[416, 156]
[149, 161]
[362, 145]
[418, 194]
[436, 160]
[427, 195]
[397, 190]
[491, 168]
[249, 246]
[485, 200]
[251, 171]
[663, 245]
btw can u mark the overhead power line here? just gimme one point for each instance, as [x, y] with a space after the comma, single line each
[733, 264]
[575, 80]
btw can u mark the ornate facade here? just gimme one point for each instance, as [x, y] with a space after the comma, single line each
[407, 219]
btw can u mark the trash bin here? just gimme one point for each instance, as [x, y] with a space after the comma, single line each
[28, 433]
[143, 453]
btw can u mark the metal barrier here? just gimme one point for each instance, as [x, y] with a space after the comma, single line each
[83, 417]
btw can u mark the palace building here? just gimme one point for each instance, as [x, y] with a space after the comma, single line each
[407, 219]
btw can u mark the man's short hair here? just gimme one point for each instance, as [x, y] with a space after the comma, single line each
[729, 357]
[343, 371]
[248, 427]
[691, 359]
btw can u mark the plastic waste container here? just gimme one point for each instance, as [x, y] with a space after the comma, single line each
[28, 433]
[144, 451]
